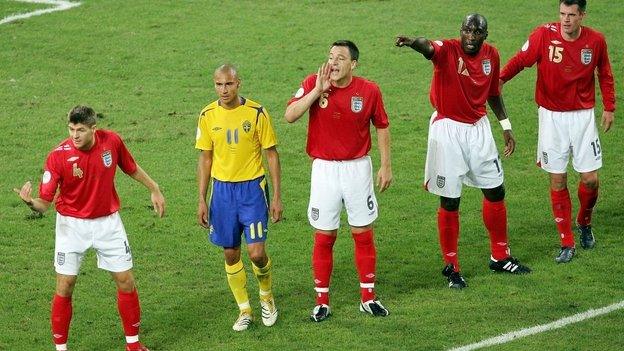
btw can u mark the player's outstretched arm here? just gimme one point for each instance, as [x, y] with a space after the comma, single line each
[498, 106]
[295, 110]
[36, 204]
[420, 44]
[275, 171]
[158, 200]
[384, 175]
[204, 168]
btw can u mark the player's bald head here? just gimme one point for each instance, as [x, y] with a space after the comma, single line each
[475, 21]
[227, 68]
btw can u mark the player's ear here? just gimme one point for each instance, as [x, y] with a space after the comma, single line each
[353, 64]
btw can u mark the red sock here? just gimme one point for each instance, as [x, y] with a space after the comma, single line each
[60, 318]
[448, 231]
[562, 210]
[322, 264]
[587, 198]
[495, 220]
[130, 313]
[365, 259]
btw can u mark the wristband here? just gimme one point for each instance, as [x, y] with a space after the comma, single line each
[505, 123]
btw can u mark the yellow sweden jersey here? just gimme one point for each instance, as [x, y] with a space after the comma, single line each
[236, 138]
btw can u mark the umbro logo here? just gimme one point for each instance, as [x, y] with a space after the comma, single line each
[216, 129]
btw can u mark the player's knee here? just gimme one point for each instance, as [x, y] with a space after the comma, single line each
[232, 255]
[558, 182]
[590, 180]
[449, 204]
[495, 194]
[259, 259]
[65, 287]
[124, 281]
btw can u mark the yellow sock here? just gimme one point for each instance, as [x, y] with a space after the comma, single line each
[264, 277]
[237, 279]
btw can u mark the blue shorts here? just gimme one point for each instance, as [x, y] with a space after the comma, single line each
[238, 207]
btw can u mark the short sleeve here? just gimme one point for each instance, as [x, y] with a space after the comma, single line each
[380, 117]
[126, 161]
[306, 86]
[495, 84]
[266, 133]
[440, 50]
[202, 137]
[50, 179]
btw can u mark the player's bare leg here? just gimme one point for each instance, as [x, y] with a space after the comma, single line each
[61, 314]
[562, 211]
[588, 195]
[322, 264]
[262, 270]
[365, 261]
[129, 308]
[237, 280]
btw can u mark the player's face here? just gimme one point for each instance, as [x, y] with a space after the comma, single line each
[226, 85]
[472, 37]
[82, 135]
[570, 18]
[341, 64]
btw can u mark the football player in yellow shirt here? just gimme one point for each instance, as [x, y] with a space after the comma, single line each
[232, 132]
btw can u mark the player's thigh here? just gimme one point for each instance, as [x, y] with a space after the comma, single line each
[445, 165]
[486, 169]
[253, 210]
[356, 180]
[325, 195]
[225, 228]
[72, 240]
[553, 141]
[111, 244]
[587, 150]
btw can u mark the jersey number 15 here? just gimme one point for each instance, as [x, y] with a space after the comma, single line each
[555, 53]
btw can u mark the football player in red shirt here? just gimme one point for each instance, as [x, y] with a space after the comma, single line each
[341, 109]
[461, 149]
[79, 177]
[567, 55]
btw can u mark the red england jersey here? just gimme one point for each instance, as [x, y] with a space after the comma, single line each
[339, 123]
[85, 179]
[565, 69]
[462, 83]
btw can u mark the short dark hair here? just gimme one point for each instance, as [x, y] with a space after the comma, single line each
[83, 115]
[582, 4]
[353, 49]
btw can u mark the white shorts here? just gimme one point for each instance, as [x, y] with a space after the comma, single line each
[336, 182]
[460, 153]
[565, 133]
[74, 236]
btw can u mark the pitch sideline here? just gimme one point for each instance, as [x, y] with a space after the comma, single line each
[507, 337]
[59, 5]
